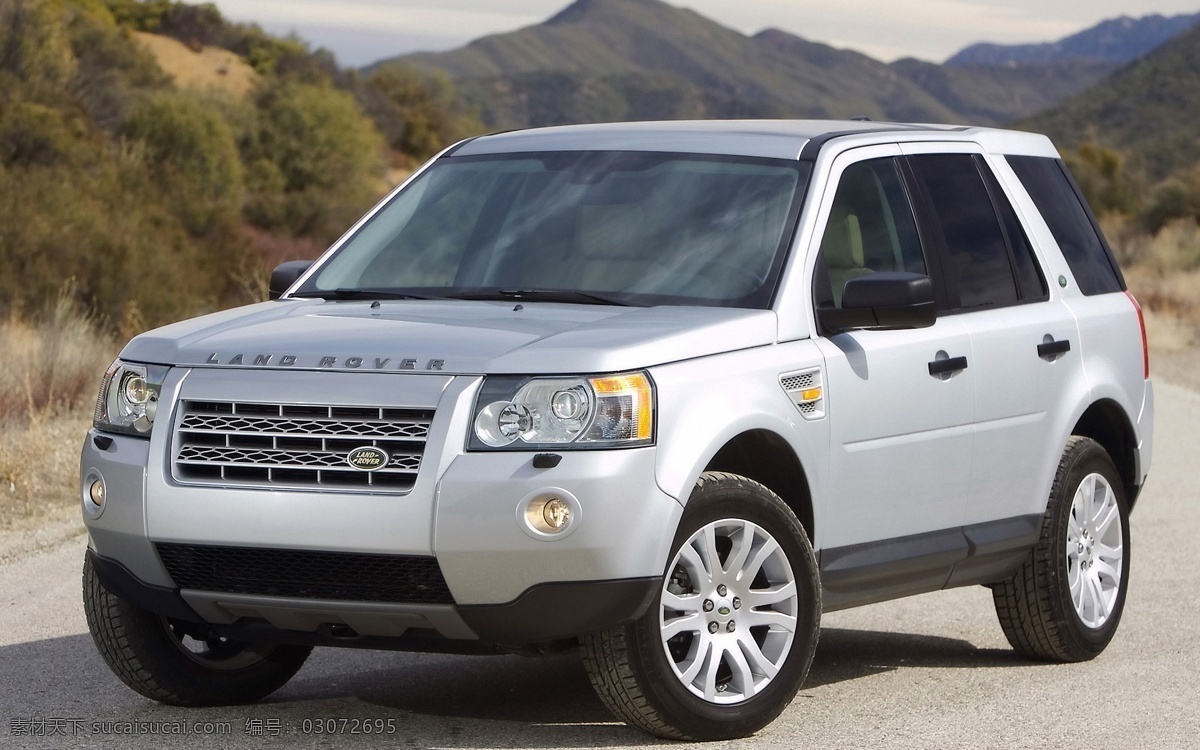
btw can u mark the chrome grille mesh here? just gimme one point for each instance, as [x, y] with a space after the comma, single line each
[297, 446]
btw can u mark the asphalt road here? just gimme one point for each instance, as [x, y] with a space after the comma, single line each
[927, 672]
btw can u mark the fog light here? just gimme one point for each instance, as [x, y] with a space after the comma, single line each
[96, 493]
[556, 513]
[93, 494]
[550, 513]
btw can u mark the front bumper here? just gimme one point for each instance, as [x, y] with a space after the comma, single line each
[508, 584]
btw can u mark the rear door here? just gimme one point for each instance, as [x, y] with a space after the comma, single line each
[1024, 344]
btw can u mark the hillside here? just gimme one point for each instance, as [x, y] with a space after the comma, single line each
[645, 59]
[133, 185]
[208, 67]
[1148, 110]
[1117, 40]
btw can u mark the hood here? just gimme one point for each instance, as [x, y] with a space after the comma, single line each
[451, 336]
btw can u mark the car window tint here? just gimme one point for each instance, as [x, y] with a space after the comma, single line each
[870, 229]
[1071, 223]
[977, 264]
[1029, 274]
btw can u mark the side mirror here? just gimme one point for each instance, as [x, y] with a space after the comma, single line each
[887, 300]
[285, 274]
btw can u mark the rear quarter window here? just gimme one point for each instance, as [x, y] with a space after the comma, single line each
[1071, 222]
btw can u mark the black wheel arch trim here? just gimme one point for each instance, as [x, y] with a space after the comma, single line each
[552, 611]
[119, 580]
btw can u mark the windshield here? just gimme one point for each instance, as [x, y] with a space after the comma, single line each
[602, 227]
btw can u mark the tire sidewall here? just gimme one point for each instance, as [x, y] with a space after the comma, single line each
[1083, 459]
[729, 497]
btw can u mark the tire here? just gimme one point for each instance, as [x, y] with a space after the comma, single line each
[180, 663]
[1066, 601]
[667, 672]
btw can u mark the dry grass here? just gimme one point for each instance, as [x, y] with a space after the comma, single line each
[210, 67]
[1163, 272]
[47, 393]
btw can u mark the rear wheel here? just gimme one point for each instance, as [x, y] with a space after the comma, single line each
[182, 663]
[731, 634]
[1066, 601]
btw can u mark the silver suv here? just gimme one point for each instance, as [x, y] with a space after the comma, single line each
[662, 391]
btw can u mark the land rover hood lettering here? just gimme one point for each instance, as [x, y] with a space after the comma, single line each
[467, 337]
[328, 362]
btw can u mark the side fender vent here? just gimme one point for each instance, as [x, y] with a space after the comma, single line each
[806, 389]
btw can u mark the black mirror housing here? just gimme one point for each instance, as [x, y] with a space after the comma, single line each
[883, 301]
[285, 274]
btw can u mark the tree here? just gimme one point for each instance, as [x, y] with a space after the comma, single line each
[316, 159]
[194, 157]
[419, 115]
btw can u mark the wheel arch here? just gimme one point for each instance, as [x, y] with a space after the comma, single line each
[768, 459]
[1107, 423]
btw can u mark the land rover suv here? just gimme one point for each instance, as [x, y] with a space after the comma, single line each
[661, 392]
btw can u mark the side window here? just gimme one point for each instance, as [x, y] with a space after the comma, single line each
[1070, 222]
[977, 262]
[870, 229]
[1030, 279]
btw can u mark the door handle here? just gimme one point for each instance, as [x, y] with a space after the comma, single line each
[1054, 348]
[947, 366]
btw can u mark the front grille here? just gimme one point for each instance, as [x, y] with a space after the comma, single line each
[294, 446]
[306, 574]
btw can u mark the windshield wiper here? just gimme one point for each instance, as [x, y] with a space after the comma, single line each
[361, 294]
[541, 295]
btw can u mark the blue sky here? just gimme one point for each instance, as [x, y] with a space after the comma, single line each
[362, 31]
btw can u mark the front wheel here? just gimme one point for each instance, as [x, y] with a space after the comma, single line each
[181, 663]
[731, 635]
[1066, 601]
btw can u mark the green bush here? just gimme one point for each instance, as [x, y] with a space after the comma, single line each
[34, 134]
[1104, 179]
[35, 51]
[316, 160]
[418, 114]
[194, 158]
[1175, 198]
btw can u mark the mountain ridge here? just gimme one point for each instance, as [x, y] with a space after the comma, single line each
[1147, 109]
[1116, 40]
[645, 59]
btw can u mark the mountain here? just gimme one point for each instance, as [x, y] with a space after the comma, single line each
[990, 95]
[645, 59]
[1147, 110]
[1118, 40]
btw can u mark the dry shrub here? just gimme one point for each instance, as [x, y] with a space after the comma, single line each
[53, 366]
[47, 394]
[39, 467]
[1163, 270]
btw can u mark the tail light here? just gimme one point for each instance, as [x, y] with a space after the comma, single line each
[1145, 343]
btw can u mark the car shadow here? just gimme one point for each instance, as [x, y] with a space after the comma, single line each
[431, 699]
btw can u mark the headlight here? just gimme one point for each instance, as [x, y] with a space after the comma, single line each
[128, 399]
[610, 411]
